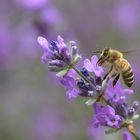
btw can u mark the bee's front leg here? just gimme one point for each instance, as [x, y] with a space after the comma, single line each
[116, 79]
[108, 72]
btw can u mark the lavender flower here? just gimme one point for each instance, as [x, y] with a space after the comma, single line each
[69, 82]
[31, 4]
[92, 67]
[117, 98]
[105, 116]
[59, 55]
[117, 92]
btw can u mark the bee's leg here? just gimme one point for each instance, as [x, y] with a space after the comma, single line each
[108, 73]
[116, 79]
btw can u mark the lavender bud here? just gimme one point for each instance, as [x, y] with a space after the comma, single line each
[93, 93]
[86, 89]
[53, 46]
[54, 68]
[57, 63]
[98, 80]
[72, 43]
[84, 72]
[76, 59]
[131, 112]
[43, 59]
[135, 105]
[121, 109]
[74, 49]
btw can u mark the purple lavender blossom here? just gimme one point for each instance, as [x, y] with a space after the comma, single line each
[48, 53]
[31, 4]
[92, 67]
[117, 92]
[58, 50]
[117, 98]
[127, 136]
[126, 16]
[69, 82]
[105, 116]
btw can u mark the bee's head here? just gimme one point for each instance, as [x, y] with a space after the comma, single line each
[104, 56]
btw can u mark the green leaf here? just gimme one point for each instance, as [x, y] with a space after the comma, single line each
[62, 72]
[76, 59]
[114, 130]
[111, 131]
[90, 102]
[135, 117]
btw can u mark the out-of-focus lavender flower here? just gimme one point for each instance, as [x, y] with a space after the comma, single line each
[92, 67]
[127, 136]
[6, 44]
[126, 16]
[31, 4]
[51, 15]
[105, 116]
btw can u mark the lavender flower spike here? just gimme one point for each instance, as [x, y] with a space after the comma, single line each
[109, 103]
[45, 46]
[105, 116]
[60, 56]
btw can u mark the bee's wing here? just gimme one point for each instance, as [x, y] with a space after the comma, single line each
[129, 51]
[125, 52]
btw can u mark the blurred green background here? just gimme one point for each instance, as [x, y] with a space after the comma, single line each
[33, 105]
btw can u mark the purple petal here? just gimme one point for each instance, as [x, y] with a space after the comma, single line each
[72, 73]
[128, 91]
[72, 93]
[88, 65]
[99, 119]
[44, 58]
[43, 42]
[94, 60]
[97, 107]
[67, 82]
[108, 110]
[61, 45]
[60, 39]
[98, 70]
[127, 136]
[96, 123]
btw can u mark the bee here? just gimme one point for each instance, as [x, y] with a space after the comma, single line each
[119, 66]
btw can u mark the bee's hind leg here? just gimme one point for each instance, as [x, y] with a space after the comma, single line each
[116, 80]
[108, 73]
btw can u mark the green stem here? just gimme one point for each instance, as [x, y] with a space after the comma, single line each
[84, 77]
[135, 135]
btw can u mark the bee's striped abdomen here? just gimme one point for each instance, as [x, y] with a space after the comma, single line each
[128, 76]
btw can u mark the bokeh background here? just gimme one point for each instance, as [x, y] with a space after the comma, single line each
[33, 105]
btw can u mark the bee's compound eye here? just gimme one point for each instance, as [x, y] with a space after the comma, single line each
[105, 53]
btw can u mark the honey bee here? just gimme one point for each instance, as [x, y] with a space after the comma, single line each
[119, 66]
